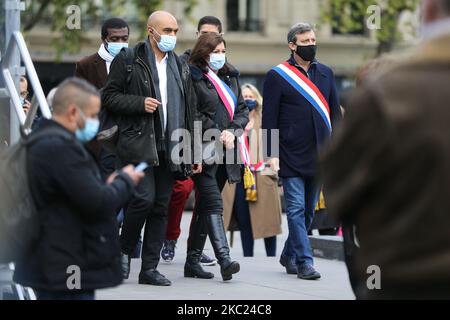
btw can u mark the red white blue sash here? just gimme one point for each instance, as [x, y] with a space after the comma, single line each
[307, 89]
[245, 152]
[225, 93]
[229, 99]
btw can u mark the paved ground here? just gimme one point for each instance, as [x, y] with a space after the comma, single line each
[261, 278]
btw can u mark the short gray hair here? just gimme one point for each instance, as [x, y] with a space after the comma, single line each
[298, 28]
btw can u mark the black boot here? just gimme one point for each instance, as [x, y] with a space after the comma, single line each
[197, 239]
[216, 232]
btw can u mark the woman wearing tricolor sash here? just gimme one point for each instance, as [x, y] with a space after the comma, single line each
[221, 108]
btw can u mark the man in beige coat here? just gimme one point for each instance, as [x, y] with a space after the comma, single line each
[388, 171]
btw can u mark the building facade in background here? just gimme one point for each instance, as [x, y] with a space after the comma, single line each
[255, 31]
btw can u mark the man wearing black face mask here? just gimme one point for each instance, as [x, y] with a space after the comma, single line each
[301, 101]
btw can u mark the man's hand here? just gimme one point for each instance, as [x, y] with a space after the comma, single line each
[227, 138]
[274, 164]
[136, 176]
[112, 177]
[26, 106]
[197, 168]
[151, 105]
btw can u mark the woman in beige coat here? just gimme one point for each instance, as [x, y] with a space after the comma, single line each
[260, 219]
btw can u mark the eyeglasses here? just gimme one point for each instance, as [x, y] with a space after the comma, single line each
[24, 94]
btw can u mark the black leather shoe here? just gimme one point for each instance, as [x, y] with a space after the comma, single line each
[307, 272]
[228, 268]
[126, 263]
[195, 270]
[289, 264]
[154, 278]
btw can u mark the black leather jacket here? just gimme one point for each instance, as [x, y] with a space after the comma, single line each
[213, 113]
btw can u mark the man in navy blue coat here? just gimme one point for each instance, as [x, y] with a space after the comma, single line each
[301, 101]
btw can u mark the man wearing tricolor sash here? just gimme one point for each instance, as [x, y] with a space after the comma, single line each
[301, 101]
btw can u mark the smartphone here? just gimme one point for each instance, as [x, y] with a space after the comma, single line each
[141, 166]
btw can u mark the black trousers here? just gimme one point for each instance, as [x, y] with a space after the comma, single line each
[209, 185]
[149, 206]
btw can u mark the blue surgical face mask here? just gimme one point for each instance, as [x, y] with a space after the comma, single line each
[217, 61]
[251, 104]
[90, 129]
[115, 47]
[167, 43]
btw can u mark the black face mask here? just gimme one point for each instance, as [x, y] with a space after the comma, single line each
[307, 53]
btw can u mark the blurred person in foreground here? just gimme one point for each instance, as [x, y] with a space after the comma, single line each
[387, 171]
[365, 73]
[76, 208]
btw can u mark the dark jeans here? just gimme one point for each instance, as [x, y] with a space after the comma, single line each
[208, 195]
[137, 252]
[149, 206]
[209, 185]
[65, 295]
[242, 213]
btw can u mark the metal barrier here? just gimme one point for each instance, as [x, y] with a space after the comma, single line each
[17, 41]
[10, 290]
[7, 286]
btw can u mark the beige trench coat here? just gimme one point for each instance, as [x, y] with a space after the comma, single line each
[265, 213]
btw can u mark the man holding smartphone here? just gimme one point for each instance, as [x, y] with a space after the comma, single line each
[73, 202]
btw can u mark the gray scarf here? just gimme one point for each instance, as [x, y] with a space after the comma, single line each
[175, 98]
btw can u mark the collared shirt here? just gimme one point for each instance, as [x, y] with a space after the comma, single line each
[162, 75]
[311, 71]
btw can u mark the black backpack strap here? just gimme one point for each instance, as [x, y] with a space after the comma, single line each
[129, 61]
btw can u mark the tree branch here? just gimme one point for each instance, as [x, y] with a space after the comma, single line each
[35, 19]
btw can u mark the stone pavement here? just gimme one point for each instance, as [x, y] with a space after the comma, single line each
[260, 278]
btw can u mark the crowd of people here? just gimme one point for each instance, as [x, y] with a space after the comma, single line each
[146, 94]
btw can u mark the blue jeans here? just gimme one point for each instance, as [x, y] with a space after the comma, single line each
[301, 196]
